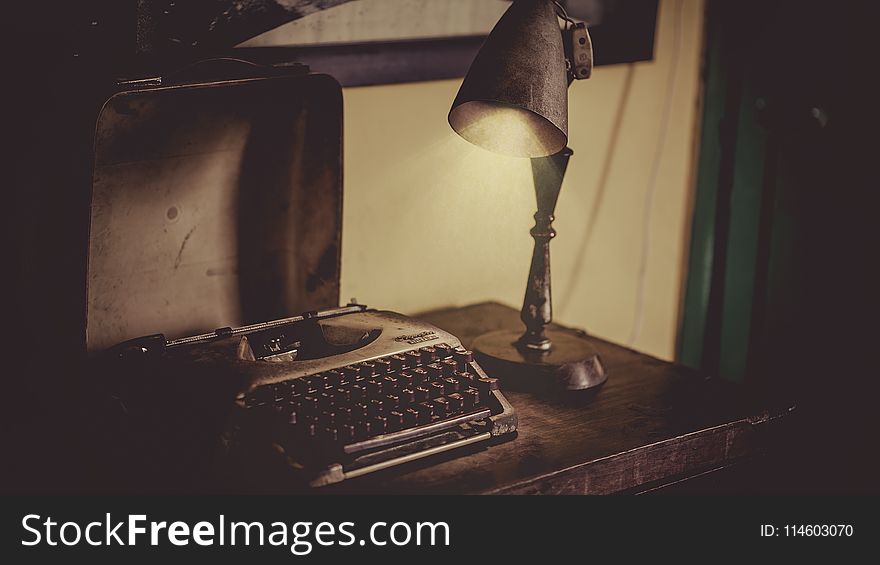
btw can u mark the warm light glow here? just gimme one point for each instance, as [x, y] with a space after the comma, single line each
[508, 130]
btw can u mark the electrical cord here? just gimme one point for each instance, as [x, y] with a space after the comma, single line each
[601, 187]
[560, 11]
[639, 315]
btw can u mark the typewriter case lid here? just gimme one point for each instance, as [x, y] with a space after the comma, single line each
[214, 203]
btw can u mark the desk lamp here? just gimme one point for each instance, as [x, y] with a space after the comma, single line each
[514, 101]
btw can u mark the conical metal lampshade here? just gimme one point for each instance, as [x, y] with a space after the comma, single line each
[514, 99]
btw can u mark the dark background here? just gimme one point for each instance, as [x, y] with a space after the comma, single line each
[790, 107]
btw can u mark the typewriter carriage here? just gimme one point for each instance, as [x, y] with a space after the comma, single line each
[214, 203]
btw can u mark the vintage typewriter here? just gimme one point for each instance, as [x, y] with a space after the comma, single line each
[346, 391]
[216, 200]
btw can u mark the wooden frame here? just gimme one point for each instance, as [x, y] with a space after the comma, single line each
[625, 35]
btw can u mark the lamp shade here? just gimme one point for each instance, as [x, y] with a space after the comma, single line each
[514, 99]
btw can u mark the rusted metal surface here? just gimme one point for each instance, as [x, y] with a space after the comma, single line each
[537, 310]
[521, 68]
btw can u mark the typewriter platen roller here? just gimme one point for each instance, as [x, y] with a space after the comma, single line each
[347, 391]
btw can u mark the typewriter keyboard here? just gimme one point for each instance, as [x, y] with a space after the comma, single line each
[377, 402]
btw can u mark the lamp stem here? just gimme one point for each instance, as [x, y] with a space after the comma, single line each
[537, 311]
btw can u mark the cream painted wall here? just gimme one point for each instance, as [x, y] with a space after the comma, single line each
[431, 221]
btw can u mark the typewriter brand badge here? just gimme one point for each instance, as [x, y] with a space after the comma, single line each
[417, 338]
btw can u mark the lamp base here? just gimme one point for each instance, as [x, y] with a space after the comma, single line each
[572, 363]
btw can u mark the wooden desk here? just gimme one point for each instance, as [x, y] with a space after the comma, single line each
[652, 424]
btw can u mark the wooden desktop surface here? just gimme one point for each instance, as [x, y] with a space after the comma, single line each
[651, 424]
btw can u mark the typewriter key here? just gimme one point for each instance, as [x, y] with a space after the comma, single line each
[485, 385]
[362, 430]
[326, 399]
[347, 433]
[436, 389]
[327, 418]
[428, 355]
[331, 434]
[310, 404]
[420, 376]
[358, 392]
[359, 411]
[378, 425]
[342, 395]
[444, 351]
[391, 402]
[405, 379]
[441, 407]
[314, 382]
[411, 417]
[310, 430]
[466, 379]
[395, 420]
[406, 396]
[280, 392]
[295, 402]
[390, 385]
[471, 398]
[456, 402]
[425, 411]
[413, 359]
[343, 413]
[374, 388]
[350, 374]
[463, 357]
[422, 394]
[450, 385]
[251, 401]
[383, 366]
[397, 362]
[435, 371]
[375, 408]
[293, 418]
[333, 378]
